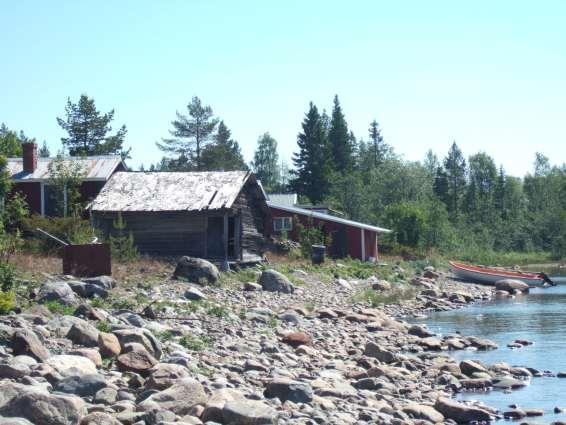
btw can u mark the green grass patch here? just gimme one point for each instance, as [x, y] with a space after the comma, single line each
[103, 326]
[377, 299]
[58, 307]
[7, 302]
[196, 343]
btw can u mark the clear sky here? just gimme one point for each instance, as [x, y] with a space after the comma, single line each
[490, 75]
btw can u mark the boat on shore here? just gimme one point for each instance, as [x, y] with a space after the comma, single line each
[490, 275]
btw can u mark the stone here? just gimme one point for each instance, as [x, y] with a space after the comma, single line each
[81, 385]
[375, 351]
[252, 286]
[196, 270]
[179, 398]
[90, 353]
[508, 382]
[99, 418]
[431, 274]
[290, 317]
[194, 294]
[469, 367]
[248, 412]
[288, 390]
[105, 395]
[83, 334]
[13, 371]
[14, 421]
[27, 343]
[514, 414]
[138, 360]
[295, 339]
[38, 406]
[420, 331]
[108, 344]
[381, 285]
[511, 285]
[213, 408]
[326, 313]
[460, 412]
[69, 365]
[86, 311]
[57, 291]
[163, 375]
[140, 336]
[427, 413]
[106, 282]
[273, 281]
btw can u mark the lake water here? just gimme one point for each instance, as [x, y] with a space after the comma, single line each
[539, 317]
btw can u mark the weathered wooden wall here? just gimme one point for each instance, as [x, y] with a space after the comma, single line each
[253, 211]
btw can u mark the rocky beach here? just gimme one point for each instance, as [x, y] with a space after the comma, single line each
[255, 347]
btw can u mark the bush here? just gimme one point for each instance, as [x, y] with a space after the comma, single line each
[7, 277]
[7, 302]
[310, 235]
[15, 211]
[10, 243]
[122, 243]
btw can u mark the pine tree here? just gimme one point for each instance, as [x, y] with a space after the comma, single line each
[339, 140]
[44, 150]
[88, 130]
[378, 148]
[224, 153]
[122, 243]
[311, 164]
[455, 168]
[266, 162]
[191, 133]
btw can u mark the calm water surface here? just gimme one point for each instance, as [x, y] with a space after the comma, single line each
[539, 317]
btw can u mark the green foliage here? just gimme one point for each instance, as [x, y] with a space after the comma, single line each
[66, 177]
[73, 230]
[88, 130]
[224, 153]
[217, 311]
[310, 235]
[16, 209]
[7, 277]
[57, 307]
[103, 326]
[339, 140]
[7, 302]
[407, 220]
[122, 244]
[190, 135]
[395, 296]
[195, 343]
[266, 162]
[10, 243]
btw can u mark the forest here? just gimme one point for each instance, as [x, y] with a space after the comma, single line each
[465, 207]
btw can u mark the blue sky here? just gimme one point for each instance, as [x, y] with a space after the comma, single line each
[490, 75]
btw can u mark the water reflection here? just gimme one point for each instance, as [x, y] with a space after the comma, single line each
[539, 317]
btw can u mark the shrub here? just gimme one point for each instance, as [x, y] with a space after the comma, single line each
[70, 229]
[57, 307]
[122, 243]
[7, 301]
[7, 277]
[103, 326]
[10, 243]
[15, 211]
[310, 235]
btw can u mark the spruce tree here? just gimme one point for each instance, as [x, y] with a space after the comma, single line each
[455, 168]
[88, 130]
[379, 149]
[44, 150]
[191, 133]
[266, 162]
[224, 153]
[339, 140]
[311, 164]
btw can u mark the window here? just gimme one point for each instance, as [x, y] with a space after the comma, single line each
[282, 224]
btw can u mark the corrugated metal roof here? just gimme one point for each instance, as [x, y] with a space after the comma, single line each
[93, 167]
[288, 199]
[328, 217]
[170, 191]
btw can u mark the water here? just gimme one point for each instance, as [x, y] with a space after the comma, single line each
[539, 317]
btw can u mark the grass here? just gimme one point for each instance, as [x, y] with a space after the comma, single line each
[7, 302]
[195, 343]
[103, 326]
[395, 296]
[58, 307]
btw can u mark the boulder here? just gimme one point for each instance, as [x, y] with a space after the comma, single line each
[469, 367]
[69, 365]
[81, 385]
[215, 404]
[138, 360]
[295, 339]
[163, 375]
[106, 282]
[375, 351]
[57, 291]
[38, 406]
[99, 418]
[460, 412]
[511, 285]
[273, 281]
[420, 411]
[179, 398]
[194, 294]
[252, 286]
[140, 336]
[196, 270]
[83, 334]
[248, 412]
[14, 421]
[285, 389]
[108, 344]
[27, 343]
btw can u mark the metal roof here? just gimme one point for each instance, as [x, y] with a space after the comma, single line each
[93, 168]
[328, 217]
[170, 191]
[288, 199]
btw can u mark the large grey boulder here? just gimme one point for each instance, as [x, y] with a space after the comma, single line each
[273, 281]
[140, 336]
[179, 398]
[83, 334]
[38, 406]
[421, 411]
[99, 418]
[460, 412]
[377, 352]
[81, 385]
[469, 367]
[248, 412]
[511, 285]
[27, 343]
[69, 365]
[14, 421]
[285, 389]
[163, 375]
[106, 282]
[57, 291]
[196, 270]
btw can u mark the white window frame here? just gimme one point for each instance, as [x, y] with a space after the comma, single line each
[282, 224]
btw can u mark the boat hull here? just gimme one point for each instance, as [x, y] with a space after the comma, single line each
[490, 276]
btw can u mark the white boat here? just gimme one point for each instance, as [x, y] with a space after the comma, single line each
[491, 275]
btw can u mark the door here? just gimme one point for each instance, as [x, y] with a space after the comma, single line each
[214, 240]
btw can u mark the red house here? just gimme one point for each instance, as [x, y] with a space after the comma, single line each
[31, 177]
[349, 238]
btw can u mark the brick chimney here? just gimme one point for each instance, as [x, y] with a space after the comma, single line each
[29, 157]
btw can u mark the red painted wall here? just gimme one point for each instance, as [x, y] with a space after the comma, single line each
[353, 234]
[32, 194]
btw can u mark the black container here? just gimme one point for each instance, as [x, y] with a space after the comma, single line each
[318, 253]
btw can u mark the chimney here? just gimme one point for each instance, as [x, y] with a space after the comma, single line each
[30, 157]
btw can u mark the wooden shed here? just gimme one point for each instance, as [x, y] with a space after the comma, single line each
[214, 215]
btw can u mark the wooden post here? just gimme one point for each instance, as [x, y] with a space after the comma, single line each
[225, 237]
[363, 245]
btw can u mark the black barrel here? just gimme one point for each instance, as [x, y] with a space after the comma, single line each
[317, 254]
